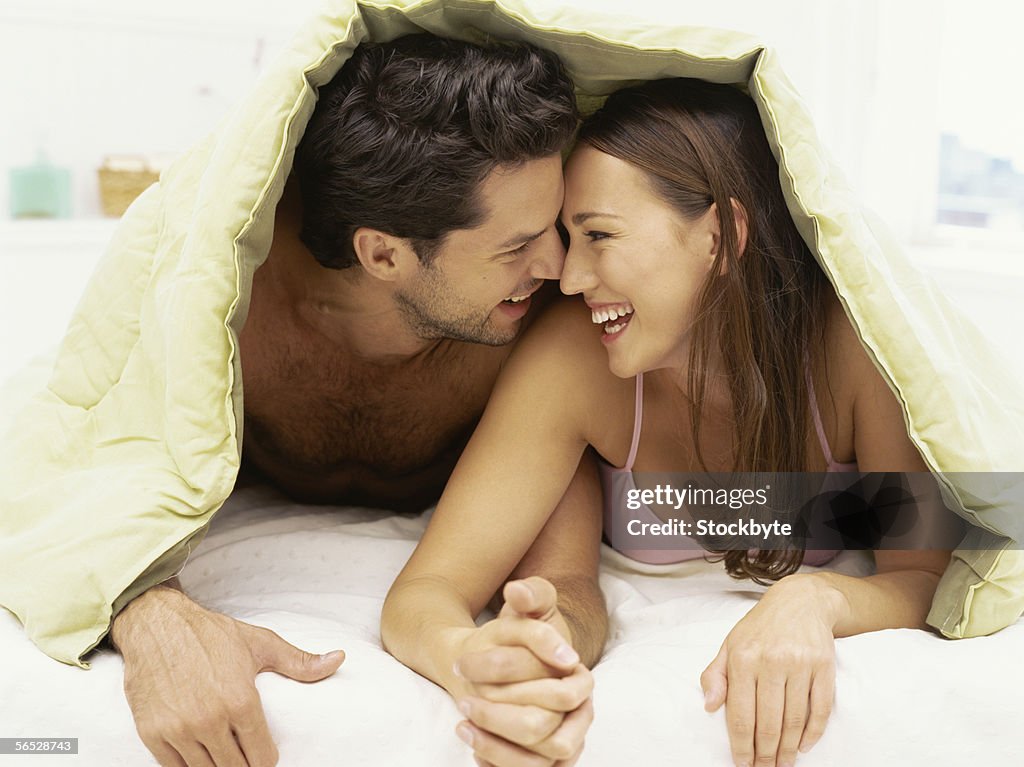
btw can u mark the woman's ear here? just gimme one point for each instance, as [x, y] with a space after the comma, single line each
[739, 215]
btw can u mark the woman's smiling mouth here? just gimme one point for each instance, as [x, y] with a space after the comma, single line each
[614, 318]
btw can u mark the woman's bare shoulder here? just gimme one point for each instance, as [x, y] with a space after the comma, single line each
[561, 354]
[566, 339]
[881, 442]
[850, 361]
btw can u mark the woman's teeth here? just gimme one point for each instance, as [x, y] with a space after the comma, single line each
[608, 315]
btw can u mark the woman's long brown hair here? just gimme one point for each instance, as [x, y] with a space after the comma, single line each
[763, 309]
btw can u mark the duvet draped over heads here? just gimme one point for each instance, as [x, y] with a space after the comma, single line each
[116, 466]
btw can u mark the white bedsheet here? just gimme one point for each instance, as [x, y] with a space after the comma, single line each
[318, 576]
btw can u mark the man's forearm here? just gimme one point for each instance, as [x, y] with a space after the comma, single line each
[582, 604]
[166, 595]
[567, 554]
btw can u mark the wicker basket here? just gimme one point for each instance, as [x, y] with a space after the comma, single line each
[122, 179]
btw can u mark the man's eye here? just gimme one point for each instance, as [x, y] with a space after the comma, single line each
[520, 250]
[594, 236]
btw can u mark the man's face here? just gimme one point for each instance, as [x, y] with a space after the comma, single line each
[477, 288]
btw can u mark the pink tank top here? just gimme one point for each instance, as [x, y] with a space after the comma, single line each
[617, 483]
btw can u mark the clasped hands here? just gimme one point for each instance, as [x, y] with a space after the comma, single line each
[526, 696]
[521, 686]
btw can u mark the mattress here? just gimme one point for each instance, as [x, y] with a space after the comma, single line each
[318, 576]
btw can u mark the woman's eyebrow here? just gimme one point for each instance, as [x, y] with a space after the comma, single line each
[579, 218]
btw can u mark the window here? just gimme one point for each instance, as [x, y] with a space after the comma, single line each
[981, 120]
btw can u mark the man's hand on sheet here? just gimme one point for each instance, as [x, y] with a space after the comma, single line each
[189, 676]
[775, 673]
[527, 695]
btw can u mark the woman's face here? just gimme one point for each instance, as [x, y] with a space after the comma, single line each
[637, 262]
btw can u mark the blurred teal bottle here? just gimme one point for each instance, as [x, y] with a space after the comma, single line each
[40, 190]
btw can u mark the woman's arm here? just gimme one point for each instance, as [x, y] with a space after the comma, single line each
[776, 669]
[899, 595]
[513, 474]
[509, 697]
[428, 619]
[510, 478]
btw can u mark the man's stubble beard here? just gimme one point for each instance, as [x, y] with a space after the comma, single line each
[433, 310]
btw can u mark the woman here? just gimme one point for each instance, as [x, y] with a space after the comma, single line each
[708, 340]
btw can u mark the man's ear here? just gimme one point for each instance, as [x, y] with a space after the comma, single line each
[383, 255]
[739, 215]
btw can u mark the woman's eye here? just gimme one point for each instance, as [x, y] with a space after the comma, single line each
[594, 236]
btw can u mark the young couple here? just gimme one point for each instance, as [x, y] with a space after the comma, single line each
[698, 334]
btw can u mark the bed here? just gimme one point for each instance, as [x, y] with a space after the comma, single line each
[318, 576]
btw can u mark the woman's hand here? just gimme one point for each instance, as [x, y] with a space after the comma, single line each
[775, 673]
[525, 694]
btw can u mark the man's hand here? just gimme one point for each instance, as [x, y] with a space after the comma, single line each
[189, 676]
[527, 696]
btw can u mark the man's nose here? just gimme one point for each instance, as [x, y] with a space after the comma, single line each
[548, 264]
[577, 274]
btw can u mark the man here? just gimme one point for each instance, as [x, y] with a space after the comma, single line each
[419, 224]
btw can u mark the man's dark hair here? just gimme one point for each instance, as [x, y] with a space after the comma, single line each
[406, 132]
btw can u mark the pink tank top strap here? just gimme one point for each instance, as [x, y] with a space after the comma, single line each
[638, 418]
[816, 415]
[833, 465]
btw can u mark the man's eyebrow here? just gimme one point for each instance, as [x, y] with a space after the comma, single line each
[521, 239]
[579, 218]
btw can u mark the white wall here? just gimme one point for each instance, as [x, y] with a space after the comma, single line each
[87, 79]
[121, 76]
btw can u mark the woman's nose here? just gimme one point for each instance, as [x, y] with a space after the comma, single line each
[577, 274]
